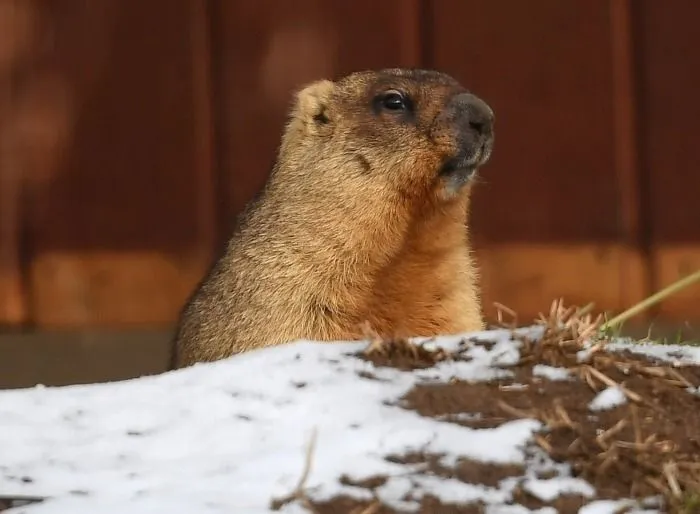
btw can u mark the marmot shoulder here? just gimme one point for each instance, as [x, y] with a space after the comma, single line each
[363, 219]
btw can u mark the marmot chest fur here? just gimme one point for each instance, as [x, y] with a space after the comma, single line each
[363, 219]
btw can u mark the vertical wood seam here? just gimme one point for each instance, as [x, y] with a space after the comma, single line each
[626, 154]
[220, 181]
[427, 34]
[13, 224]
[410, 32]
[204, 129]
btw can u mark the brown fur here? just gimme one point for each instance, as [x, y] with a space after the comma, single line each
[355, 224]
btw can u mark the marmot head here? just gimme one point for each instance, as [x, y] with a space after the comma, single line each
[415, 131]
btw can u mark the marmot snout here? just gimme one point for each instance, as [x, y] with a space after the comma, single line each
[362, 220]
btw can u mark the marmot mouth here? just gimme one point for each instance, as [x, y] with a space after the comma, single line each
[466, 164]
[452, 168]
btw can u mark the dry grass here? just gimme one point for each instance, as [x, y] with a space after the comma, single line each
[567, 336]
[657, 297]
[299, 494]
[400, 352]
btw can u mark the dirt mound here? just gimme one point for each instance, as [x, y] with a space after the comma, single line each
[402, 354]
[554, 416]
[627, 424]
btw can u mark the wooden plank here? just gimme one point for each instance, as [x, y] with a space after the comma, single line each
[125, 229]
[16, 46]
[669, 82]
[527, 277]
[635, 276]
[560, 188]
[671, 263]
[267, 49]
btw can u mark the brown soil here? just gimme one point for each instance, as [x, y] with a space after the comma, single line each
[401, 355]
[645, 447]
[347, 505]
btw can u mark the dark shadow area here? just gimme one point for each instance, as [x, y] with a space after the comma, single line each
[56, 359]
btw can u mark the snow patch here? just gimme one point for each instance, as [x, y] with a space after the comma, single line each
[550, 372]
[608, 398]
[549, 489]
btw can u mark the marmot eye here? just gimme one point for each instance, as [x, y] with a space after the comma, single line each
[394, 100]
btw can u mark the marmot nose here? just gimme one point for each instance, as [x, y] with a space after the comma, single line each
[472, 110]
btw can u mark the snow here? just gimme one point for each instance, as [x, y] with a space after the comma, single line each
[232, 435]
[607, 506]
[550, 372]
[674, 353]
[608, 398]
[549, 489]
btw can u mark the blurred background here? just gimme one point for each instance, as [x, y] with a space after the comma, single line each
[133, 131]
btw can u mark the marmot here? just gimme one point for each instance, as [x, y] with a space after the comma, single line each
[363, 219]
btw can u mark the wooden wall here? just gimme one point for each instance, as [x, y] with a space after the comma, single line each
[132, 132]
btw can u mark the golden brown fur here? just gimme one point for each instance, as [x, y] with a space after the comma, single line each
[363, 219]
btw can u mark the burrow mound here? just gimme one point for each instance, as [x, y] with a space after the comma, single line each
[644, 444]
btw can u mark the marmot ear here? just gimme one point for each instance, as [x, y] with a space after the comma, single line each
[312, 103]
